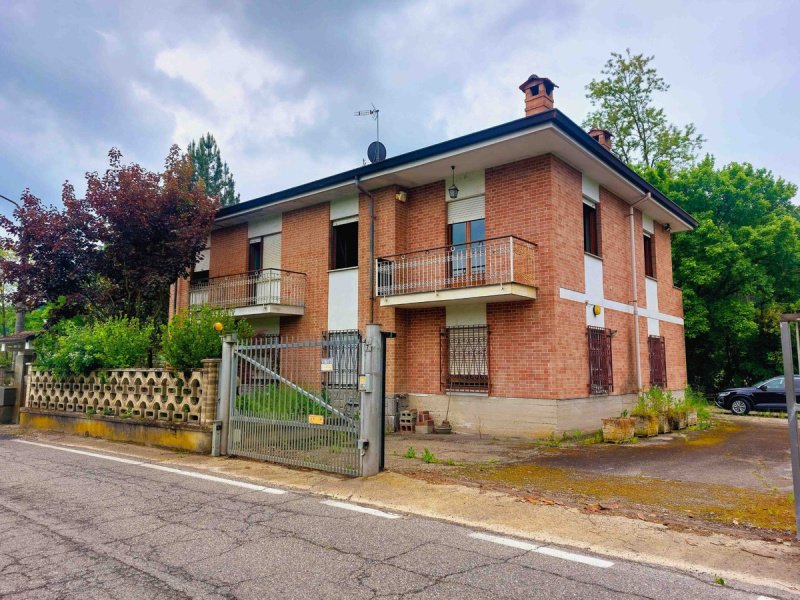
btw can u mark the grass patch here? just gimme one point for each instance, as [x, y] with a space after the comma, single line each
[712, 502]
[278, 401]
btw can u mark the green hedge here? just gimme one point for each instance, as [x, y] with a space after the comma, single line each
[190, 336]
[75, 348]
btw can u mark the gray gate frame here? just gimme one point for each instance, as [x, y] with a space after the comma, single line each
[370, 385]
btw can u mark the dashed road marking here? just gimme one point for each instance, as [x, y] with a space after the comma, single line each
[146, 465]
[362, 509]
[546, 550]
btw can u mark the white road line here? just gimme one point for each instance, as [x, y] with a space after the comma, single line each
[579, 558]
[554, 552]
[362, 509]
[504, 541]
[138, 463]
[764, 598]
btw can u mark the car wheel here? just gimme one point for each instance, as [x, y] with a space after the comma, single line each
[740, 406]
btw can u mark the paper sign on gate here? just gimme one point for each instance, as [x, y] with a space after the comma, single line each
[316, 419]
[327, 365]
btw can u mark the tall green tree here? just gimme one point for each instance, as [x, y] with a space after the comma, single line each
[210, 168]
[623, 103]
[740, 269]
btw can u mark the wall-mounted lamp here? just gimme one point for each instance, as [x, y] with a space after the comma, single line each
[453, 190]
[597, 310]
[401, 196]
[666, 227]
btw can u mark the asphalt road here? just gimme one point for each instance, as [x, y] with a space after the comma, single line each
[78, 525]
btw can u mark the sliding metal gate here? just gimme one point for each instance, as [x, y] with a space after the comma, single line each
[297, 401]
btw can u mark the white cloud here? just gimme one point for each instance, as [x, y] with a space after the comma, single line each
[254, 105]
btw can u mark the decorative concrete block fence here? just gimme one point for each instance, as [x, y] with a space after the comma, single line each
[152, 406]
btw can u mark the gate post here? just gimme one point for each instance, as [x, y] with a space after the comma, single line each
[371, 402]
[227, 385]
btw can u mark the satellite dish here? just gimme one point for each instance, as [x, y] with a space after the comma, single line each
[376, 152]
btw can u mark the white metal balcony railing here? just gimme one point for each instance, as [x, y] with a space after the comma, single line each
[255, 288]
[494, 261]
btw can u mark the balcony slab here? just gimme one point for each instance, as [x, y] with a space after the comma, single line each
[268, 309]
[498, 292]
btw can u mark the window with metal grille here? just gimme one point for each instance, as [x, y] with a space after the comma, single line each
[343, 350]
[658, 361]
[601, 368]
[465, 358]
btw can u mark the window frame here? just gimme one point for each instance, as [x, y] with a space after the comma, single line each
[469, 360]
[601, 360]
[648, 243]
[657, 358]
[333, 264]
[591, 228]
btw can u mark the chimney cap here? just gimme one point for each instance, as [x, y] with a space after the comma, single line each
[597, 130]
[534, 79]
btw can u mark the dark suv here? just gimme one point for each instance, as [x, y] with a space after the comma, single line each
[765, 395]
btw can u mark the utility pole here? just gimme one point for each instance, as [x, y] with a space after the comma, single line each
[791, 409]
[19, 322]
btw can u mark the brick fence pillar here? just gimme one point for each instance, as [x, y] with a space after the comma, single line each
[210, 390]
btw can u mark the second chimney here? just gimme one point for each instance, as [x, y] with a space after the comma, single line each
[538, 94]
[602, 137]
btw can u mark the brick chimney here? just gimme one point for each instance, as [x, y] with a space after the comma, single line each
[602, 137]
[538, 94]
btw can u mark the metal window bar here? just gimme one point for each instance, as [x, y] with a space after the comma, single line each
[465, 358]
[494, 261]
[601, 368]
[343, 350]
[656, 347]
[282, 412]
[254, 288]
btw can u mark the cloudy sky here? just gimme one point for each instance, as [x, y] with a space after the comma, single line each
[277, 83]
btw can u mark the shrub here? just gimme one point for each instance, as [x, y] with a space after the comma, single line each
[190, 336]
[75, 348]
[697, 401]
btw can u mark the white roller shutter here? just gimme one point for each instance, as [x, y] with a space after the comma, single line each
[271, 258]
[468, 209]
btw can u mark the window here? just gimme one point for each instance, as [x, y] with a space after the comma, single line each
[658, 361]
[343, 350]
[775, 384]
[468, 249]
[601, 370]
[344, 245]
[591, 233]
[649, 258]
[254, 256]
[465, 358]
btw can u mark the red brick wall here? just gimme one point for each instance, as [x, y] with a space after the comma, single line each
[537, 348]
[229, 251]
[305, 247]
[522, 335]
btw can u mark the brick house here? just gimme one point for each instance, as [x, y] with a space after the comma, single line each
[502, 260]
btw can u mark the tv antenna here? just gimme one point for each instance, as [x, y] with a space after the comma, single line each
[376, 151]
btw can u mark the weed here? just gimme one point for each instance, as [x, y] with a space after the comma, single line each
[108, 411]
[410, 453]
[719, 580]
[427, 457]
[126, 414]
[450, 462]
[91, 411]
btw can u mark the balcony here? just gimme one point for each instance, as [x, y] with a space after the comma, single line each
[495, 270]
[265, 292]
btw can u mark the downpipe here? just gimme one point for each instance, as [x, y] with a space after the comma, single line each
[369, 195]
[635, 288]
